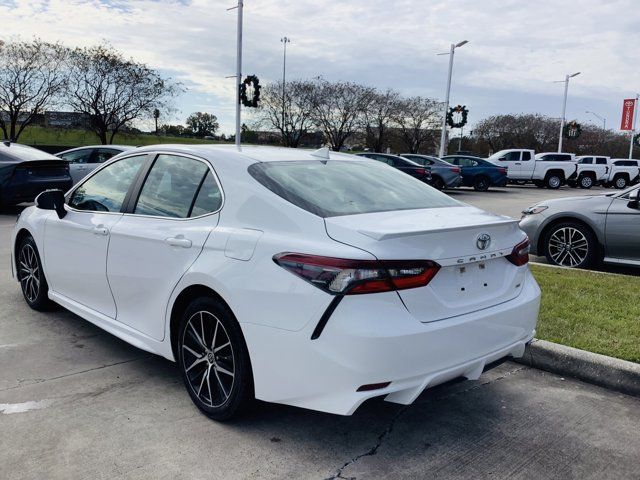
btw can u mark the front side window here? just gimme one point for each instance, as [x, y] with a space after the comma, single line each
[106, 190]
[586, 161]
[339, 187]
[171, 187]
[511, 157]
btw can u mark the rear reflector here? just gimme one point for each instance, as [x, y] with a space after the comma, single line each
[373, 386]
[520, 254]
[350, 277]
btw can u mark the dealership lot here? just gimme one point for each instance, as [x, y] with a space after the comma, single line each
[78, 403]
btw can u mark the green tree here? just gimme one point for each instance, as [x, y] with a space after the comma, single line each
[202, 124]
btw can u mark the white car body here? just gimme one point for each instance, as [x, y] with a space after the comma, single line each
[125, 272]
[592, 170]
[623, 172]
[525, 166]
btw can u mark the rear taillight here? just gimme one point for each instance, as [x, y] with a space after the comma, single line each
[520, 254]
[351, 277]
[502, 170]
[420, 171]
[455, 170]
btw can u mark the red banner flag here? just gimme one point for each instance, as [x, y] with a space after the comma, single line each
[628, 107]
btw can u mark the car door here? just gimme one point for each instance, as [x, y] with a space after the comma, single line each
[75, 247]
[160, 237]
[79, 161]
[513, 161]
[622, 229]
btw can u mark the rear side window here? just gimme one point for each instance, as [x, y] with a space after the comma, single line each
[526, 156]
[106, 190]
[171, 187]
[78, 156]
[208, 199]
[601, 161]
[101, 155]
[338, 187]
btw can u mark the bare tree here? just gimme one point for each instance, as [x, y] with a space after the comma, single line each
[378, 116]
[291, 116]
[115, 91]
[418, 120]
[337, 107]
[32, 79]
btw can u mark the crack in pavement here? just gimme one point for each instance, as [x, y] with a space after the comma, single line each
[387, 431]
[27, 382]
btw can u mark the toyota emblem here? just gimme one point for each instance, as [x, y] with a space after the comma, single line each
[483, 241]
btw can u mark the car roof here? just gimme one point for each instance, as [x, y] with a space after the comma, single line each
[248, 154]
[16, 152]
[122, 148]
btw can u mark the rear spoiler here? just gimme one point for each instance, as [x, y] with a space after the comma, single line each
[378, 235]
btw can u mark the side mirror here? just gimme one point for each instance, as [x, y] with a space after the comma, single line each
[52, 200]
[634, 199]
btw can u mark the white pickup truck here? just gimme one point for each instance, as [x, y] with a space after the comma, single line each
[549, 169]
[593, 170]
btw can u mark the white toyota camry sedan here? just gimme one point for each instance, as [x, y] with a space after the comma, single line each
[304, 278]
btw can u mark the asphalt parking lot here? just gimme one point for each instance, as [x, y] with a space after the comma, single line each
[76, 402]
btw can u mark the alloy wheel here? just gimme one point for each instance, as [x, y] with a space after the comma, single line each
[586, 182]
[568, 247]
[208, 359]
[554, 182]
[621, 182]
[29, 272]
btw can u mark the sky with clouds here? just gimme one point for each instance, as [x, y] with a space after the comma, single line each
[516, 48]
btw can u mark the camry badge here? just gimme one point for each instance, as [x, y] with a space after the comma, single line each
[483, 241]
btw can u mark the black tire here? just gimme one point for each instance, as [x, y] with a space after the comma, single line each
[553, 181]
[574, 255]
[226, 368]
[438, 183]
[33, 283]
[586, 182]
[620, 182]
[481, 183]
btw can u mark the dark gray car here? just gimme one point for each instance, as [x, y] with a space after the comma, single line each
[443, 174]
[581, 231]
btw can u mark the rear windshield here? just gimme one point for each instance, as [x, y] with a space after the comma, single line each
[16, 152]
[334, 187]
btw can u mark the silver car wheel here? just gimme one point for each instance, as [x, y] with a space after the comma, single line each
[29, 272]
[621, 182]
[568, 247]
[208, 359]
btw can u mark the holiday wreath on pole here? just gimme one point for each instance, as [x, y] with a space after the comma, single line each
[254, 82]
[461, 113]
[572, 130]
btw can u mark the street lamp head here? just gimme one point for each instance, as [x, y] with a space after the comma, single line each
[285, 40]
[574, 75]
[464, 42]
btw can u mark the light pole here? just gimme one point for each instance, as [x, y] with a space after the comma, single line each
[238, 69]
[564, 106]
[602, 119]
[633, 127]
[284, 41]
[446, 102]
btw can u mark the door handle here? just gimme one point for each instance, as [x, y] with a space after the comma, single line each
[100, 230]
[179, 241]
[518, 163]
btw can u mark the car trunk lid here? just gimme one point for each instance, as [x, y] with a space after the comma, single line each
[471, 278]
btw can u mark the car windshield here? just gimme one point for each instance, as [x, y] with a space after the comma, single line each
[333, 188]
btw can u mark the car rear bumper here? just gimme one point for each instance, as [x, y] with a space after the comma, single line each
[15, 193]
[373, 339]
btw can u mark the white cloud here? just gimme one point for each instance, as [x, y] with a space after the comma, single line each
[516, 48]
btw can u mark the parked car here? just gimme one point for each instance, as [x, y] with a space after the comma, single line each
[581, 231]
[83, 160]
[27, 171]
[314, 279]
[550, 169]
[404, 165]
[443, 174]
[478, 172]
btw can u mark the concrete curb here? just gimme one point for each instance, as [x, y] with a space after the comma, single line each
[608, 372]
